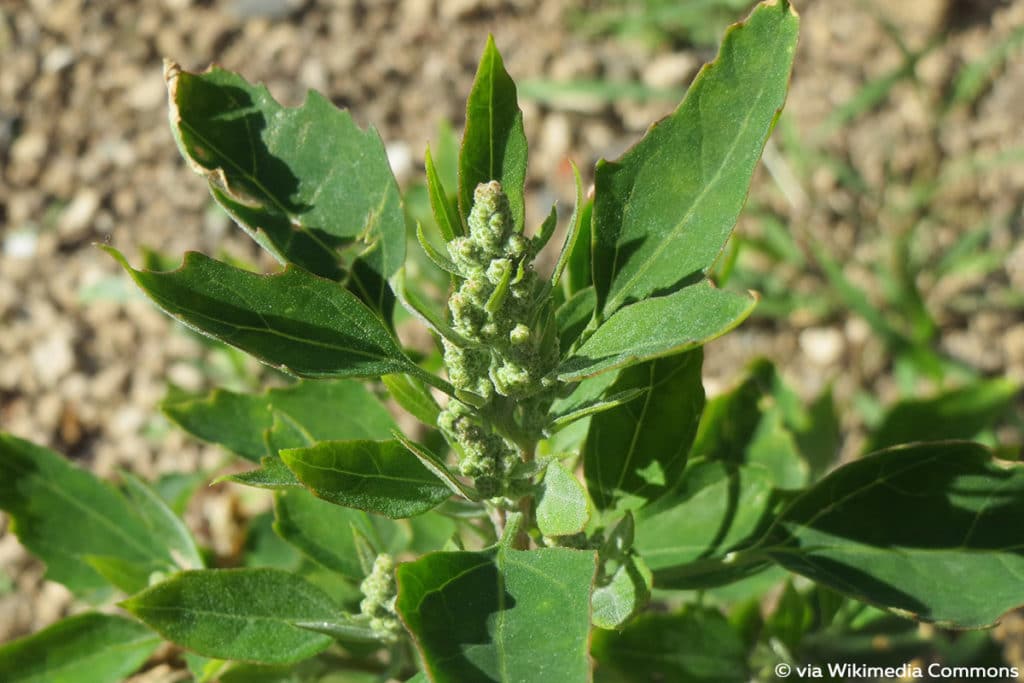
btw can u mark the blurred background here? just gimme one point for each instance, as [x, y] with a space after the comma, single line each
[883, 229]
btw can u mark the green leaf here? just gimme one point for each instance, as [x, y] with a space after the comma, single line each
[930, 531]
[322, 531]
[716, 508]
[663, 211]
[301, 181]
[128, 575]
[695, 646]
[312, 411]
[562, 507]
[424, 310]
[658, 327]
[573, 315]
[773, 446]
[595, 406]
[545, 231]
[503, 615]
[64, 514]
[204, 669]
[572, 233]
[168, 528]
[622, 595]
[263, 547]
[88, 648]
[372, 289]
[292, 320]
[412, 395]
[580, 276]
[437, 466]
[494, 144]
[753, 424]
[434, 254]
[177, 488]
[958, 414]
[445, 214]
[376, 476]
[431, 531]
[272, 474]
[640, 448]
[241, 614]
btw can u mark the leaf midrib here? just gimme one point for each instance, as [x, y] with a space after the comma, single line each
[164, 303]
[674, 233]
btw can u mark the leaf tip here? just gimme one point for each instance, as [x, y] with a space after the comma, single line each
[171, 72]
[117, 255]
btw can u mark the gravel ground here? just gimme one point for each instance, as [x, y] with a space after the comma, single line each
[87, 157]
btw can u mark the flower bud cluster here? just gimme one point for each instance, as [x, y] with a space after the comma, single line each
[379, 594]
[486, 457]
[495, 307]
[510, 349]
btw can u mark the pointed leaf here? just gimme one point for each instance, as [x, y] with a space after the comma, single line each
[546, 230]
[88, 648]
[129, 576]
[658, 327]
[166, 526]
[302, 181]
[437, 467]
[639, 448]
[494, 144]
[423, 310]
[930, 531]
[436, 257]
[695, 646]
[598, 405]
[562, 507]
[663, 211]
[412, 395]
[292, 320]
[499, 616]
[376, 476]
[572, 233]
[242, 614]
[272, 474]
[445, 214]
[64, 514]
[580, 269]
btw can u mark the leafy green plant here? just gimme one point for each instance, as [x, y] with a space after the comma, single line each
[469, 549]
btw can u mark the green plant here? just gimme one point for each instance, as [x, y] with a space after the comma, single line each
[474, 553]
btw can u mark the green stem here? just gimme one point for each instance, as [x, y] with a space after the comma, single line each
[435, 381]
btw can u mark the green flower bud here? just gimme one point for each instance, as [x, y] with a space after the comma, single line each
[519, 335]
[490, 218]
